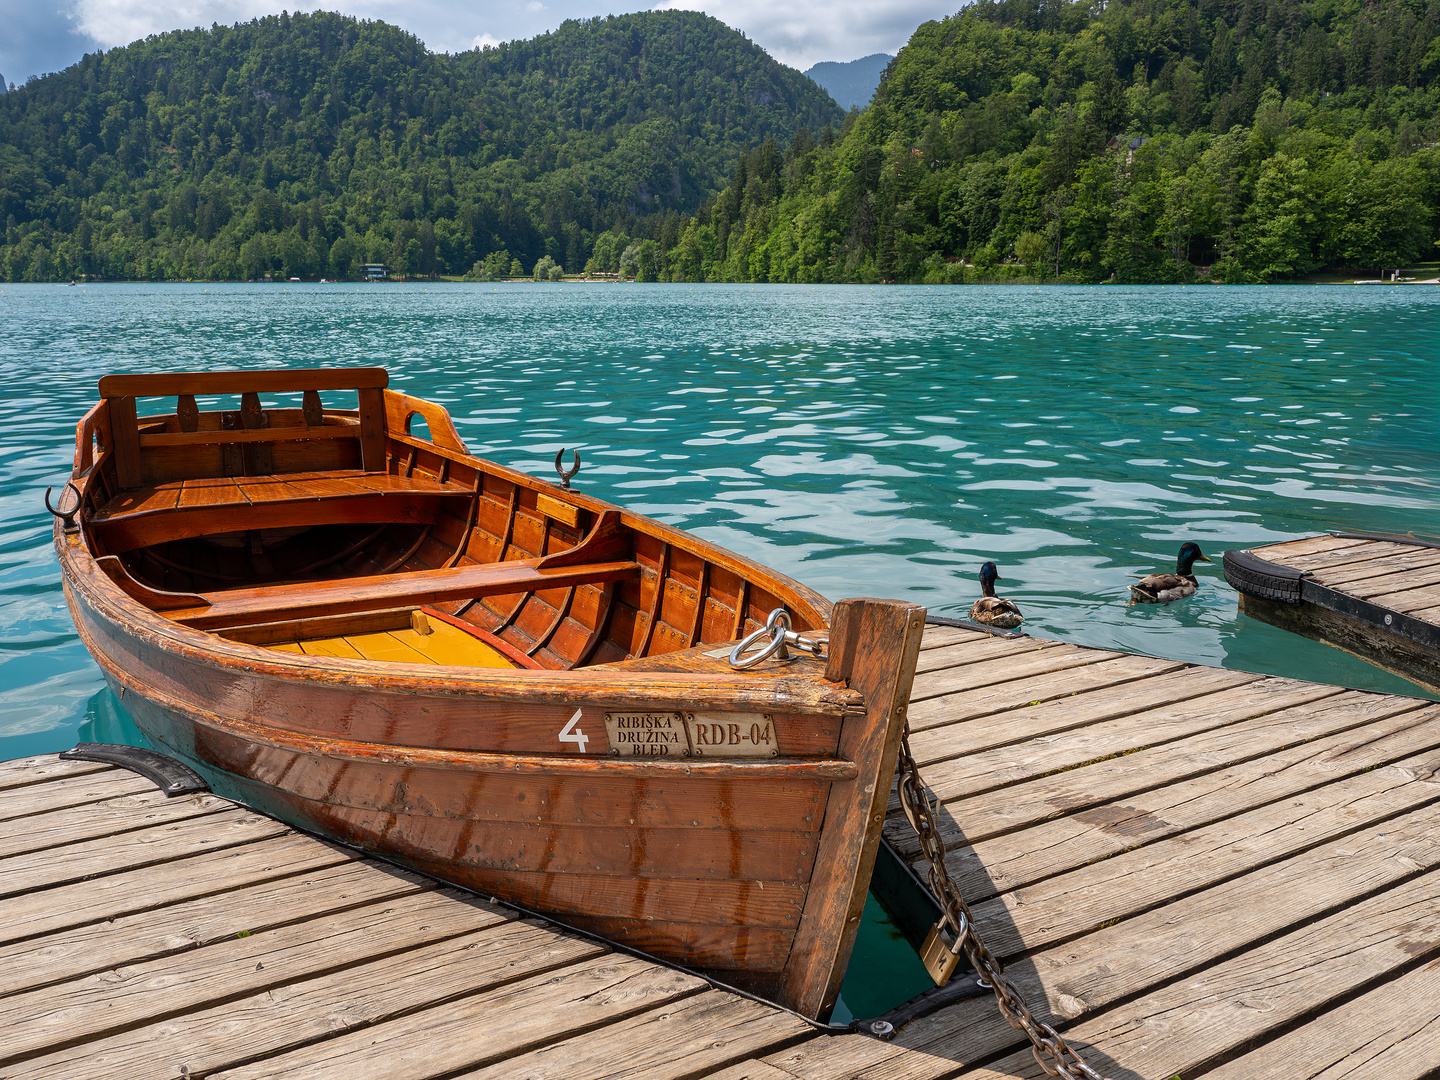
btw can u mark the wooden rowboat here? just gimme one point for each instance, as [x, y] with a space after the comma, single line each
[497, 681]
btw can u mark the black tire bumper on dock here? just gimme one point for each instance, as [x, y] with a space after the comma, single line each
[1291, 600]
[1261, 578]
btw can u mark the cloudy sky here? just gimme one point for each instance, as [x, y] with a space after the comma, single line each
[48, 35]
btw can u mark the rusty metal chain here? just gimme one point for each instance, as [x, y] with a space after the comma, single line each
[1051, 1051]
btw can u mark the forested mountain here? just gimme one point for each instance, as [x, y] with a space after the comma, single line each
[307, 144]
[852, 84]
[1139, 140]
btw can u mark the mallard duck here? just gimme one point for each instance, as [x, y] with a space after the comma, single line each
[1165, 588]
[990, 609]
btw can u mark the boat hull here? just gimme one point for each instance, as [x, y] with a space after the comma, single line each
[624, 778]
[708, 863]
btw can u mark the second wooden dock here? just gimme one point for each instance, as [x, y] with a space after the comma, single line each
[1376, 597]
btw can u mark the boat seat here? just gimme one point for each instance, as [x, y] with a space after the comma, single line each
[180, 509]
[310, 599]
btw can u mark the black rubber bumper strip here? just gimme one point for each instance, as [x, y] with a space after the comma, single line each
[167, 774]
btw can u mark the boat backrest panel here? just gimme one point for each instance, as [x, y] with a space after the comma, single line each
[245, 438]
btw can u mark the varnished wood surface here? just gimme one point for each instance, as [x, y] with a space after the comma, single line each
[1191, 872]
[1394, 578]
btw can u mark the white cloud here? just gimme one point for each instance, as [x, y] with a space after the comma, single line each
[806, 33]
[118, 22]
[800, 33]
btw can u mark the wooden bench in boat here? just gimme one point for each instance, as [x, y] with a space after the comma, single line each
[271, 603]
[211, 505]
[194, 473]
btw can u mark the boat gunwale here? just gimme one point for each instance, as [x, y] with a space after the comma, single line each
[777, 692]
[828, 770]
[622, 689]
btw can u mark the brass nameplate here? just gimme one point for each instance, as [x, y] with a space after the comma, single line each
[731, 734]
[646, 734]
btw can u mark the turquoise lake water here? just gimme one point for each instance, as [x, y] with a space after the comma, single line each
[867, 441]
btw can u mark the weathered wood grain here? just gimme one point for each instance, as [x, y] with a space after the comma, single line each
[1390, 1033]
[1080, 900]
[1362, 553]
[1099, 972]
[121, 998]
[1308, 545]
[1410, 597]
[1107, 781]
[965, 704]
[302, 1014]
[22, 772]
[485, 1028]
[750, 1070]
[126, 891]
[106, 817]
[684, 1039]
[1422, 563]
[1139, 728]
[133, 850]
[1041, 659]
[31, 801]
[1191, 685]
[936, 636]
[160, 931]
[1372, 737]
[973, 652]
[1173, 1029]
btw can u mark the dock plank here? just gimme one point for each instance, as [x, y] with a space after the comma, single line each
[161, 931]
[935, 636]
[1080, 900]
[1390, 1033]
[46, 910]
[1173, 1030]
[1043, 658]
[142, 847]
[1285, 551]
[1049, 847]
[37, 1020]
[965, 703]
[483, 1029]
[106, 817]
[286, 1022]
[1413, 559]
[967, 653]
[23, 772]
[1076, 710]
[30, 801]
[681, 1040]
[1138, 728]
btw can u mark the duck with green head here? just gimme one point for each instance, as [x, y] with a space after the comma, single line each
[990, 609]
[1167, 588]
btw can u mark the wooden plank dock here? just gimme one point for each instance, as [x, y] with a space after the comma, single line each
[1376, 597]
[1190, 871]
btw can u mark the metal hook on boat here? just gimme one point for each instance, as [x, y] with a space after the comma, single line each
[67, 516]
[777, 628]
[565, 476]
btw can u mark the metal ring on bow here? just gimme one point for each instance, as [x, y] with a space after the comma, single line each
[777, 628]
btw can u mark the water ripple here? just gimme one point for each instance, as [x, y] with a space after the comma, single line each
[866, 440]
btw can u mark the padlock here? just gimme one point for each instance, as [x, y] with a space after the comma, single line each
[940, 956]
